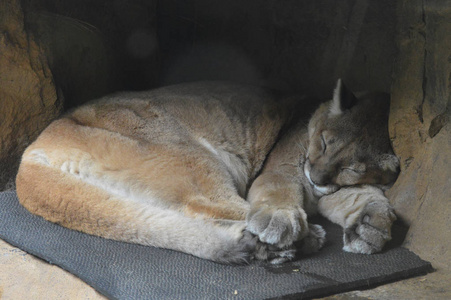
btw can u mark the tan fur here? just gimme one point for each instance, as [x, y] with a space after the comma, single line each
[360, 210]
[200, 168]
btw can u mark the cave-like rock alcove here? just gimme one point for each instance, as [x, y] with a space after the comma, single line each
[56, 55]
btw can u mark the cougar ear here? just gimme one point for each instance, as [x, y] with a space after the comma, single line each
[343, 99]
[389, 162]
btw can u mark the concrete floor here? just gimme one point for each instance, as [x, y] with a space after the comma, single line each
[23, 276]
[433, 286]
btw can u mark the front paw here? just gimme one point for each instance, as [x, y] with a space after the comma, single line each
[279, 227]
[371, 230]
[314, 240]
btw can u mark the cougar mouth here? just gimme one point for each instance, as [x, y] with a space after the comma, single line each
[320, 190]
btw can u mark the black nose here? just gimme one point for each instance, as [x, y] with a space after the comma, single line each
[319, 177]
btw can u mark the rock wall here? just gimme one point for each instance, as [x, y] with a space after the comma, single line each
[96, 47]
[57, 54]
[28, 99]
[301, 46]
[420, 127]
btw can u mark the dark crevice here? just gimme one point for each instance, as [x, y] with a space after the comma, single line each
[425, 56]
[439, 122]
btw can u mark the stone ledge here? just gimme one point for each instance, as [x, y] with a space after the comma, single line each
[23, 276]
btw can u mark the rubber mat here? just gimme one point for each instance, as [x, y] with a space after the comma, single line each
[126, 271]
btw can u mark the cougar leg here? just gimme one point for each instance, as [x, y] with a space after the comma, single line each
[125, 193]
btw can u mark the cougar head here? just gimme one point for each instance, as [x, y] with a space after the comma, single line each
[349, 142]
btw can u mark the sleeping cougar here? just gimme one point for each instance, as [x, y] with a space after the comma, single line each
[221, 171]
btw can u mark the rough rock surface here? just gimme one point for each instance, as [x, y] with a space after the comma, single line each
[420, 127]
[290, 45]
[421, 134]
[96, 47]
[28, 100]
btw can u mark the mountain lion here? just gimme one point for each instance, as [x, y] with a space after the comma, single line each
[222, 171]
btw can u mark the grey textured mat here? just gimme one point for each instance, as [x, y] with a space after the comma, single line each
[125, 271]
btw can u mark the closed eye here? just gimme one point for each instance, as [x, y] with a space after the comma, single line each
[323, 143]
[353, 170]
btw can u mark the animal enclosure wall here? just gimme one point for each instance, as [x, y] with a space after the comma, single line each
[57, 54]
[290, 45]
